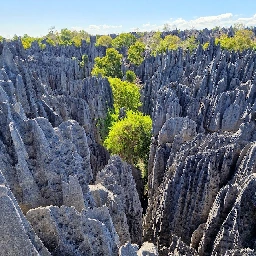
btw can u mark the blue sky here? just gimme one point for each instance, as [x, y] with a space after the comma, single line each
[35, 17]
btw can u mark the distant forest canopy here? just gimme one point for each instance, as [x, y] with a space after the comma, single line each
[236, 38]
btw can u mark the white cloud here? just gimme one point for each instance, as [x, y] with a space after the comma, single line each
[103, 29]
[222, 20]
[248, 21]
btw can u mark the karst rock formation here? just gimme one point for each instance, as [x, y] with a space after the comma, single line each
[61, 193]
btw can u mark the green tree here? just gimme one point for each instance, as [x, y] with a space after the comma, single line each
[109, 65]
[154, 43]
[190, 44]
[27, 41]
[104, 41]
[242, 40]
[84, 60]
[124, 40]
[126, 95]
[172, 42]
[206, 45]
[136, 53]
[130, 76]
[130, 137]
[65, 36]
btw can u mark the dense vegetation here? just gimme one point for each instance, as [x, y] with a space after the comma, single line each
[137, 44]
[64, 37]
[108, 66]
[130, 137]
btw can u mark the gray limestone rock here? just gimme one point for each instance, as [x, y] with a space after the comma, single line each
[67, 232]
[16, 236]
[195, 182]
[128, 249]
[147, 249]
[117, 178]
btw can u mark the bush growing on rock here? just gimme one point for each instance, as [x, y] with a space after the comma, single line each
[130, 76]
[242, 40]
[84, 60]
[124, 40]
[109, 65]
[104, 40]
[126, 95]
[130, 137]
[136, 53]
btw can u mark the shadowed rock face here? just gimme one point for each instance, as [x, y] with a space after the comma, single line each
[202, 155]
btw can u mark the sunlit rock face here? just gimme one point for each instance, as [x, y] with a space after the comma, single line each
[202, 155]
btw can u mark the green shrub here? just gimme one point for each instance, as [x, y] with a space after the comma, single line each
[126, 95]
[84, 60]
[109, 65]
[136, 53]
[104, 41]
[206, 45]
[130, 137]
[242, 40]
[130, 76]
[123, 40]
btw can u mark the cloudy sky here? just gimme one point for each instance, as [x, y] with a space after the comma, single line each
[36, 17]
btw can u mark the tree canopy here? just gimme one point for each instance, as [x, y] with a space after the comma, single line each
[130, 137]
[104, 41]
[109, 65]
[130, 76]
[242, 40]
[123, 40]
[136, 53]
[126, 95]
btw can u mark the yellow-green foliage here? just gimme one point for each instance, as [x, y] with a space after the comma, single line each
[206, 45]
[104, 41]
[69, 37]
[109, 65]
[126, 95]
[130, 137]
[28, 40]
[154, 42]
[159, 45]
[123, 40]
[242, 40]
[136, 53]
[130, 76]
[64, 37]
[172, 42]
[189, 44]
[84, 60]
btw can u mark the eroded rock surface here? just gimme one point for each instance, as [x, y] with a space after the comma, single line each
[16, 236]
[201, 183]
[202, 158]
[51, 155]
